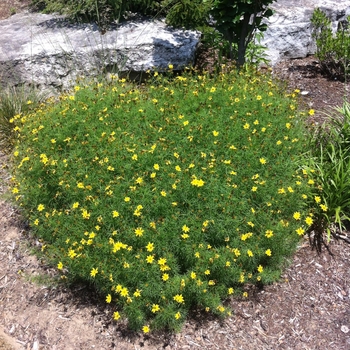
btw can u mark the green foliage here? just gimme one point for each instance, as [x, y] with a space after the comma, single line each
[238, 21]
[330, 169]
[101, 11]
[165, 196]
[14, 101]
[333, 50]
[189, 14]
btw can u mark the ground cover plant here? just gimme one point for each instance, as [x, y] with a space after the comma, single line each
[166, 196]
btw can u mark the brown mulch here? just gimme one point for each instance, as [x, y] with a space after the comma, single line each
[308, 309]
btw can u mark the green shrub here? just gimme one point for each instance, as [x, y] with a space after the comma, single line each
[333, 51]
[330, 168]
[165, 196]
[101, 11]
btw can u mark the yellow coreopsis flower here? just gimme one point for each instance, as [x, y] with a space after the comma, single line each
[94, 272]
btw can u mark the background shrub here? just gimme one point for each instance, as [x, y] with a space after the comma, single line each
[333, 50]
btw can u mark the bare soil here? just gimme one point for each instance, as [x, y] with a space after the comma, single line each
[308, 309]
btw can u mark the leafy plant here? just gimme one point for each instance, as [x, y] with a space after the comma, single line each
[239, 21]
[165, 196]
[333, 50]
[330, 169]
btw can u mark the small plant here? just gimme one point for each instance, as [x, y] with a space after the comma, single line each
[330, 169]
[332, 50]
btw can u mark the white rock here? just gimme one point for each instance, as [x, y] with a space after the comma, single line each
[47, 50]
[289, 28]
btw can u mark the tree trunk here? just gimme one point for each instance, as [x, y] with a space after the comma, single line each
[242, 46]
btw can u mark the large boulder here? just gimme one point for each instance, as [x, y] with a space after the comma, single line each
[289, 28]
[48, 50]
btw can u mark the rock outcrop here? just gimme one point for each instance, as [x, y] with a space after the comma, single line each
[289, 29]
[48, 50]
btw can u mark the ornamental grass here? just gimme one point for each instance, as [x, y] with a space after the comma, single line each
[166, 196]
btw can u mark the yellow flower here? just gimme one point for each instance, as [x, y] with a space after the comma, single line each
[162, 261]
[317, 199]
[193, 275]
[296, 215]
[150, 259]
[215, 133]
[150, 247]
[179, 298]
[300, 231]
[156, 166]
[309, 220]
[163, 193]
[311, 112]
[139, 180]
[137, 293]
[60, 265]
[170, 66]
[262, 160]
[139, 231]
[165, 277]
[177, 315]
[41, 207]
[127, 199]
[268, 252]
[155, 308]
[108, 298]
[185, 228]
[93, 272]
[145, 329]
[268, 233]
[116, 315]
[115, 214]
[323, 207]
[250, 253]
[246, 126]
[197, 182]
[260, 269]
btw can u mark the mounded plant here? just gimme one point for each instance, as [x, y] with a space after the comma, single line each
[166, 196]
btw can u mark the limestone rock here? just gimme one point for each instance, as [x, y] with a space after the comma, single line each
[48, 50]
[289, 28]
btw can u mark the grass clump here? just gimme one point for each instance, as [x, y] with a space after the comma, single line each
[329, 166]
[14, 101]
[165, 196]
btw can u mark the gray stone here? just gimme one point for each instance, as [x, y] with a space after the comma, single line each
[289, 32]
[48, 50]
